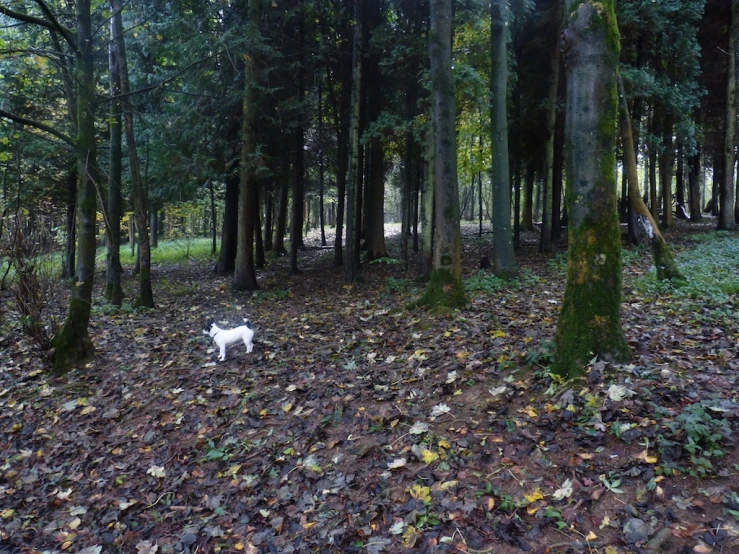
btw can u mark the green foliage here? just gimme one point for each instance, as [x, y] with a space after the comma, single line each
[395, 285]
[699, 431]
[486, 282]
[711, 277]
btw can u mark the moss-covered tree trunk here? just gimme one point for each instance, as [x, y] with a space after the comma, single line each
[445, 286]
[590, 322]
[427, 208]
[504, 262]
[245, 276]
[145, 297]
[72, 345]
[663, 260]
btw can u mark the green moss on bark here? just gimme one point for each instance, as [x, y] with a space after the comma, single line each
[72, 345]
[663, 260]
[590, 321]
[443, 292]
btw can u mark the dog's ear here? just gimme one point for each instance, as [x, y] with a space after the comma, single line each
[247, 323]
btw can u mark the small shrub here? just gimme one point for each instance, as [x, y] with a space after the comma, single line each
[33, 285]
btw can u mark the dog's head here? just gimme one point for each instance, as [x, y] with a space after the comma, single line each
[209, 328]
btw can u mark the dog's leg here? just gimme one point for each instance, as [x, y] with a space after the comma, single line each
[222, 357]
[249, 345]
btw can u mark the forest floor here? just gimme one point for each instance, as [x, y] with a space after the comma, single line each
[358, 426]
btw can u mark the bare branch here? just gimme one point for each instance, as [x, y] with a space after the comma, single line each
[38, 125]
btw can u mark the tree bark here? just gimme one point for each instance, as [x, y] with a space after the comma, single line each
[146, 296]
[590, 322]
[245, 276]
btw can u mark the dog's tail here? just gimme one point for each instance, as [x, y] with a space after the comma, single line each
[247, 323]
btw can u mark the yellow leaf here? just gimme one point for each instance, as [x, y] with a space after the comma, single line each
[308, 525]
[534, 496]
[530, 411]
[606, 521]
[498, 334]
[427, 456]
[233, 470]
[443, 443]
[448, 485]
[7, 514]
[491, 503]
[88, 410]
[287, 407]
[591, 537]
[531, 510]
[239, 546]
[74, 523]
[419, 492]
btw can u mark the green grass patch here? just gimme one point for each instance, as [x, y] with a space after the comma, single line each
[170, 251]
[486, 282]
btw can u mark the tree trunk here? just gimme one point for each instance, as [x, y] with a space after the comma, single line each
[694, 183]
[590, 323]
[353, 231]
[375, 200]
[296, 221]
[268, 209]
[666, 165]
[71, 224]
[245, 276]
[545, 241]
[229, 229]
[320, 162]
[427, 208]
[504, 263]
[72, 344]
[726, 217]
[279, 243]
[154, 226]
[445, 287]
[653, 198]
[146, 296]
[113, 289]
[663, 260]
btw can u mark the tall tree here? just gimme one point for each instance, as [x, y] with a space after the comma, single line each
[504, 262]
[245, 277]
[113, 289]
[590, 320]
[726, 217]
[72, 344]
[545, 241]
[353, 230]
[296, 218]
[445, 286]
[145, 297]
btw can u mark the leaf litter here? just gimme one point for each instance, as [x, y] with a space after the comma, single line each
[356, 426]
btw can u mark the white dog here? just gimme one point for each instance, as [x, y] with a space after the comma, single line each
[226, 337]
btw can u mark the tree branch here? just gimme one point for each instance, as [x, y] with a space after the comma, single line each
[51, 23]
[38, 125]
